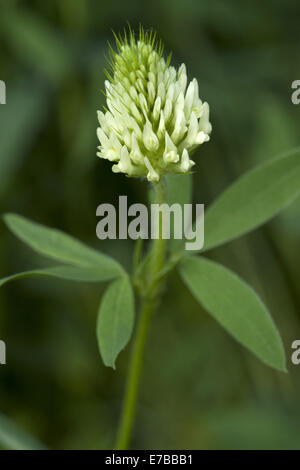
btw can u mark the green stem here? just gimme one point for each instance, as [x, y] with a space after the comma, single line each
[129, 407]
[150, 299]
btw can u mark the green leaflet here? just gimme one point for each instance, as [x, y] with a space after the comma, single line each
[253, 199]
[235, 306]
[69, 273]
[115, 320]
[60, 246]
[13, 438]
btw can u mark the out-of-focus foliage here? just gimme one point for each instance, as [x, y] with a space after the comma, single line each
[200, 389]
[12, 438]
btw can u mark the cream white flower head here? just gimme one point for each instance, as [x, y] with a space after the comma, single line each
[154, 119]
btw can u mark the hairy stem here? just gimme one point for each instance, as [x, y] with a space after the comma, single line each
[149, 300]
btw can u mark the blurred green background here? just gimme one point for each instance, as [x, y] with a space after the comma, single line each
[200, 389]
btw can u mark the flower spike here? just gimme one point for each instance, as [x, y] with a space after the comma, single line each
[154, 118]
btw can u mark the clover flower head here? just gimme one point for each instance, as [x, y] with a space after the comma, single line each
[154, 119]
